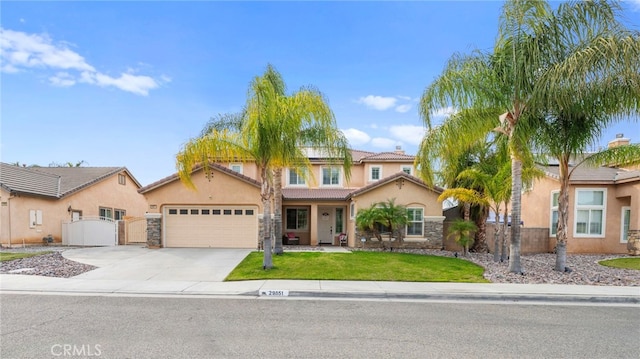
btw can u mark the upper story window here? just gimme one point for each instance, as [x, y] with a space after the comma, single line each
[375, 173]
[122, 179]
[296, 177]
[590, 212]
[237, 167]
[407, 169]
[330, 176]
[554, 213]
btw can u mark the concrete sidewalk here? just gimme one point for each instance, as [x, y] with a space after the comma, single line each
[327, 289]
[135, 270]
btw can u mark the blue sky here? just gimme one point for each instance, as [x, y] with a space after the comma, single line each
[128, 83]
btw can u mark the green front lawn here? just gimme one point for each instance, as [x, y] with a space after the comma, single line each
[374, 266]
[7, 256]
[624, 263]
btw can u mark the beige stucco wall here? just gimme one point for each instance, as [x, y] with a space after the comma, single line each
[536, 212]
[106, 193]
[221, 188]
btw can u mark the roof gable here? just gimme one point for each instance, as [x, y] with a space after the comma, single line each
[394, 177]
[174, 177]
[56, 182]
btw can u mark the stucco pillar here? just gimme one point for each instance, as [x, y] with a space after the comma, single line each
[313, 225]
[154, 229]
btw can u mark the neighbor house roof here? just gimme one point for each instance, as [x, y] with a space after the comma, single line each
[598, 175]
[55, 182]
[218, 167]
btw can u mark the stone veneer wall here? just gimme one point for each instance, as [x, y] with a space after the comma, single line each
[154, 229]
[433, 237]
[633, 242]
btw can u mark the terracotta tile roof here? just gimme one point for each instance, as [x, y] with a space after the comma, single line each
[388, 156]
[54, 182]
[174, 177]
[358, 155]
[393, 177]
[604, 175]
[316, 193]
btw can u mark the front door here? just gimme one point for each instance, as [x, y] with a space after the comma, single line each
[325, 225]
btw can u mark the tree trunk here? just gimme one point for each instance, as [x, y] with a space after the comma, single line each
[265, 193]
[563, 216]
[480, 242]
[277, 210]
[516, 196]
[503, 237]
[466, 215]
[496, 237]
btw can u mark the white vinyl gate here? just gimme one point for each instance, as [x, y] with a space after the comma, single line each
[90, 232]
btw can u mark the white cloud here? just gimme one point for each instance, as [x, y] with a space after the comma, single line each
[409, 133]
[62, 79]
[405, 98]
[403, 108]
[356, 137]
[384, 143]
[379, 103]
[443, 112]
[635, 5]
[22, 51]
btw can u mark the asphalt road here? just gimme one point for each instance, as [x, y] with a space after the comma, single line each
[60, 326]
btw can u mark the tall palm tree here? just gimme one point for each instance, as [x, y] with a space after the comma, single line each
[530, 70]
[270, 131]
[592, 80]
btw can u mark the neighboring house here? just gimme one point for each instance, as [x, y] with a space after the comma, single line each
[35, 201]
[604, 207]
[225, 210]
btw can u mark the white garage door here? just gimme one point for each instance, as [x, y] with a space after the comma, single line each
[211, 226]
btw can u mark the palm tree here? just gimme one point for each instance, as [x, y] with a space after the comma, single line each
[270, 131]
[461, 231]
[592, 81]
[366, 221]
[531, 69]
[394, 217]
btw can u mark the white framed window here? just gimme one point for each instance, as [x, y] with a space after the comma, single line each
[35, 218]
[553, 225]
[330, 176]
[352, 210]
[119, 214]
[295, 177]
[625, 219]
[375, 173]
[105, 213]
[297, 218]
[415, 223]
[122, 179]
[590, 212]
[407, 169]
[236, 167]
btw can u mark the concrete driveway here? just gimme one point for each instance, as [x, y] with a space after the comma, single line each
[166, 264]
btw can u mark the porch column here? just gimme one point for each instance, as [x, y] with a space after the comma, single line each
[313, 225]
[154, 229]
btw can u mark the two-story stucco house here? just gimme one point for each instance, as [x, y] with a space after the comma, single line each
[317, 207]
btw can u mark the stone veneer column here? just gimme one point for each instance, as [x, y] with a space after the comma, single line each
[434, 231]
[154, 229]
[633, 242]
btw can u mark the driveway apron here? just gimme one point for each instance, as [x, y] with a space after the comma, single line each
[164, 264]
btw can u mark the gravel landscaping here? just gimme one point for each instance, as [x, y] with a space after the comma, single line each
[538, 268]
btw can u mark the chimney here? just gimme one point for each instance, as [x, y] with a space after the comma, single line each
[399, 150]
[620, 140]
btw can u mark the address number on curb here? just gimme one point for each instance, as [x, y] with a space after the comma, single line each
[274, 293]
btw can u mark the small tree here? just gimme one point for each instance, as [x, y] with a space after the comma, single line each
[394, 217]
[366, 221]
[462, 233]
